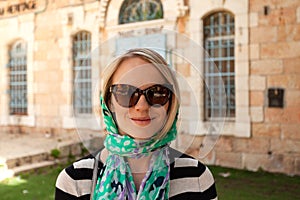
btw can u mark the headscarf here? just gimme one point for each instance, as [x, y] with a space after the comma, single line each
[116, 180]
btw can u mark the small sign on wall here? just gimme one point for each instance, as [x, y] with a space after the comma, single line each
[276, 97]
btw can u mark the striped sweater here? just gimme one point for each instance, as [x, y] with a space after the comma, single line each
[189, 179]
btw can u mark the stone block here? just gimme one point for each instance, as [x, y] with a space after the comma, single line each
[254, 51]
[184, 69]
[266, 130]
[236, 6]
[193, 152]
[280, 50]
[280, 163]
[45, 88]
[297, 166]
[292, 114]
[257, 6]
[242, 52]
[242, 83]
[257, 83]
[266, 67]
[224, 144]
[188, 141]
[263, 34]
[48, 110]
[40, 56]
[253, 21]
[292, 98]
[289, 33]
[54, 76]
[49, 33]
[257, 114]
[257, 98]
[242, 98]
[294, 81]
[242, 68]
[253, 145]
[286, 115]
[281, 16]
[240, 145]
[279, 146]
[291, 66]
[254, 162]
[278, 81]
[229, 159]
[48, 121]
[298, 14]
[274, 115]
[289, 3]
[291, 131]
[210, 158]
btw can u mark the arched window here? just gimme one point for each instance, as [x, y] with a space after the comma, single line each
[219, 43]
[82, 73]
[140, 10]
[18, 78]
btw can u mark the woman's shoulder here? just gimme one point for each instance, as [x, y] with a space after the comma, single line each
[189, 177]
[179, 159]
[76, 179]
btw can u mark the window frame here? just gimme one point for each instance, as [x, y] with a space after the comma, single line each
[18, 80]
[215, 42]
[82, 74]
[240, 126]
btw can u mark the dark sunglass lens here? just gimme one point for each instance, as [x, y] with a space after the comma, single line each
[123, 94]
[158, 95]
[134, 99]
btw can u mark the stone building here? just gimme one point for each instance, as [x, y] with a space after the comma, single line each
[254, 44]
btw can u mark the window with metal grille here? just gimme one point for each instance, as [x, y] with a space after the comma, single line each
[18, 78]
[140, 10]
[219, 64]
[82, 73]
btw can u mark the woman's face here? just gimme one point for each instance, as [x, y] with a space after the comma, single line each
[142, 120]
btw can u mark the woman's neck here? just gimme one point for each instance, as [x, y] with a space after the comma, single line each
[139, 168]
[139, 165]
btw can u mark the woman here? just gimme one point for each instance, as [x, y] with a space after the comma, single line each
[140, 103]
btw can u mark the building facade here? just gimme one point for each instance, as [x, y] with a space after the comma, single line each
[53, 52]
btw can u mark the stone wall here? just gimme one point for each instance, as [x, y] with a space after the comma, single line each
[274, 56]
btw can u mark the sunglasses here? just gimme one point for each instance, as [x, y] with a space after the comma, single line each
[128, 95]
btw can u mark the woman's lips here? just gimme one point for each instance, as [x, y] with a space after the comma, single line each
[142, 121]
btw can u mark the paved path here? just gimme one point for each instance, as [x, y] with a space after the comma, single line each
[14, 145]
[23, 152]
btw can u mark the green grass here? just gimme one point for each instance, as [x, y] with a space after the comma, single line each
[35, 185]
[40, 185]
[255, 185]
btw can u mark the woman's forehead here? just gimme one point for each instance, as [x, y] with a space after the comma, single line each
[137, 72]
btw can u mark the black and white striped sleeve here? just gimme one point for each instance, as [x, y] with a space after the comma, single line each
[190, 179]
[75, 181]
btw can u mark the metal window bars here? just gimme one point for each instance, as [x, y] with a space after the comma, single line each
[82, 73]
[18, 79]
[219, 44]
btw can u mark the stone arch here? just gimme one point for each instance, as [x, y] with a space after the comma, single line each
[180, 9]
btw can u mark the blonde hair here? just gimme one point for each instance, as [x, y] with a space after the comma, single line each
[159, 62]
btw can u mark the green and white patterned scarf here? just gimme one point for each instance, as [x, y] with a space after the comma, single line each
[116, 181]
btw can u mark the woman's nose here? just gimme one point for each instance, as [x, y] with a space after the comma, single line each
[142, 103]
